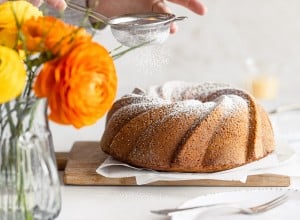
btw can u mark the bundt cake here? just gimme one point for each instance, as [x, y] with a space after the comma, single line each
[186, 127]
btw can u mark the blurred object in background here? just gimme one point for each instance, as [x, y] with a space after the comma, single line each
[264, 83]
[265, 86]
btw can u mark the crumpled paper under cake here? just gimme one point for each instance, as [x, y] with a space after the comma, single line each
[284, 161]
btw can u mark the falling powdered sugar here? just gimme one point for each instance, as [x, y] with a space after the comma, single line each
[149, 60]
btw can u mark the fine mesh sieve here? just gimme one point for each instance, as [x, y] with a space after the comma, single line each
[135, 29]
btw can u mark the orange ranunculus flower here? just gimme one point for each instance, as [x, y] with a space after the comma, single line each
[52, 35]
[12, 74]
[80, 86]
[13, 14]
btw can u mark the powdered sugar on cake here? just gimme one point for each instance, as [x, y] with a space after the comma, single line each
[186, 97]
[178, 90]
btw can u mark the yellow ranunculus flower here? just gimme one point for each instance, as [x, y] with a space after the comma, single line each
[12, 74]
[14, 13]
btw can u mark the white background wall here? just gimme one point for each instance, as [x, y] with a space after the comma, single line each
[211, 48]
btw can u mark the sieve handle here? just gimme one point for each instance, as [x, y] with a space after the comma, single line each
[180, 18]
[89, 12]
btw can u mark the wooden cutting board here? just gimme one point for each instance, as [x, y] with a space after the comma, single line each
[84, 158]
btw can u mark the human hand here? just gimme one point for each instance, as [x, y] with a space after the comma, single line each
[112, 8]
[193, 5]
[57, 4]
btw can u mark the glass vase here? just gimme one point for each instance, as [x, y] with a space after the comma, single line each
[29, 183]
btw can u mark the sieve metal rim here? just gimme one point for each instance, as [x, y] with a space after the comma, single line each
[150, 20]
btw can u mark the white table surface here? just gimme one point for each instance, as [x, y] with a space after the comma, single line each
[135, 203]
[132, 203]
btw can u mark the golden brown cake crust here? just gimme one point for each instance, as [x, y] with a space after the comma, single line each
[184, 127]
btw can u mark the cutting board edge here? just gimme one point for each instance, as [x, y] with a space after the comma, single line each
[76, 176]
[252, 181]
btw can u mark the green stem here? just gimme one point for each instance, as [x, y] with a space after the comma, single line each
[32, 113]
[120, 54]
[22, 195]
[9, 118]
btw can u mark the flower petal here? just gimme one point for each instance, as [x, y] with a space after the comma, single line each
[81, 85]
[12, 74]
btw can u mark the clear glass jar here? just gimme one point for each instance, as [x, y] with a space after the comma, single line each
[29, 183]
